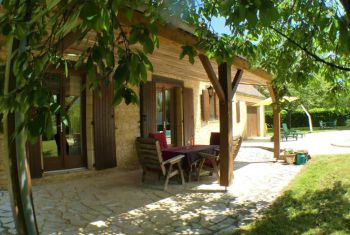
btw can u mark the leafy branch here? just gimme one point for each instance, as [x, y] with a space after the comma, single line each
[309, 53]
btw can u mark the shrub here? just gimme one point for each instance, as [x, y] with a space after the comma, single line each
[299, 117]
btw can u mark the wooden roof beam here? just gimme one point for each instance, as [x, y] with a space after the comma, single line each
[212, 76]
[236, 81]
[69, 39]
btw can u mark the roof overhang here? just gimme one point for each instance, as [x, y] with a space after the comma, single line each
[181, 33]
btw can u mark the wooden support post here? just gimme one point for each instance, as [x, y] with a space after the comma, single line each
[226, 153]
[276, 123]
[225, 89]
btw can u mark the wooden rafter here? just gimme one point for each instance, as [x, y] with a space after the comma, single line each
[236, 81]
[68, 40]
[212, 76]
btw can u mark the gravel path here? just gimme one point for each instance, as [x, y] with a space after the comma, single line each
[315, 143]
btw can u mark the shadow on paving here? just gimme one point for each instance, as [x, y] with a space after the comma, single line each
[317, 212]
[110, 207]
[188, 213]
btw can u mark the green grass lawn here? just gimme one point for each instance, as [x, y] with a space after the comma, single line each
[316, 202]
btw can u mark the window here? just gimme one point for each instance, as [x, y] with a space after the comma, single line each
[209, 106]
[212, 108]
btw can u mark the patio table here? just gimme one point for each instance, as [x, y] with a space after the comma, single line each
[191, 155]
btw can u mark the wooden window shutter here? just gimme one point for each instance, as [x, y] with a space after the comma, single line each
[238, 112]
[188, 115]
[217, 106]
[104, 128]
[205, 105]
[148, 108]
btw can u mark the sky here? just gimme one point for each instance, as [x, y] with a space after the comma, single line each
[219, 25]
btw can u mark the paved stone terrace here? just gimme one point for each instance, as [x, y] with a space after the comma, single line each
[115, 202]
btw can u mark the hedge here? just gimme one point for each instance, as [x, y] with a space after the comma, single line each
[299, 117]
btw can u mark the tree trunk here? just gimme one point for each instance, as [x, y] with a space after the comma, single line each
[289, 117]
[19, 184]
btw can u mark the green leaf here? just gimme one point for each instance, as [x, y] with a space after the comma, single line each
[6, 29]
[49, 131]
[51, 3]
[190, 52]
[148, 46]
[35, 125]
[110, 58]
[118, 96]
[90, 11]
[116, 5]
[134, 34]
[129, 14]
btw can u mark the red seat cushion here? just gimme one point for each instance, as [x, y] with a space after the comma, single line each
[161, 138]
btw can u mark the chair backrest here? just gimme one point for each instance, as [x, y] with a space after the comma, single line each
[150, 155]
[285, 128]
[237, 142]
[161, 138]
[215, 138]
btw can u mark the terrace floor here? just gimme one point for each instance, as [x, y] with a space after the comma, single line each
[116, 202]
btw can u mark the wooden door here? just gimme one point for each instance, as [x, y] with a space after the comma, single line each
[188, 113]
[104, 128]
[148, 108]
[252, 121]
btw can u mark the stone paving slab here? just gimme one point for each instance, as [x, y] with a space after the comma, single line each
[116, 202]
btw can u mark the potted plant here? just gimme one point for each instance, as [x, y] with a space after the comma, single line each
[289, 156]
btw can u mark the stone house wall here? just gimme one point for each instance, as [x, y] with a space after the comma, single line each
[127, 121]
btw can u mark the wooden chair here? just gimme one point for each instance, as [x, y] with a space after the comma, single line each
[211, 162]
[151, 159]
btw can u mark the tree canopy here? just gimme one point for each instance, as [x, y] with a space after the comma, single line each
[293, 40]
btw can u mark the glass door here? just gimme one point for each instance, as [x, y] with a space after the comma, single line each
[64, 150]
[163, 117]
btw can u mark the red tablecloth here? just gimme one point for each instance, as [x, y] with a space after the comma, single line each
[190, 152]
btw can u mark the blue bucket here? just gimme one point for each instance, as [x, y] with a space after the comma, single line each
[300, 159]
